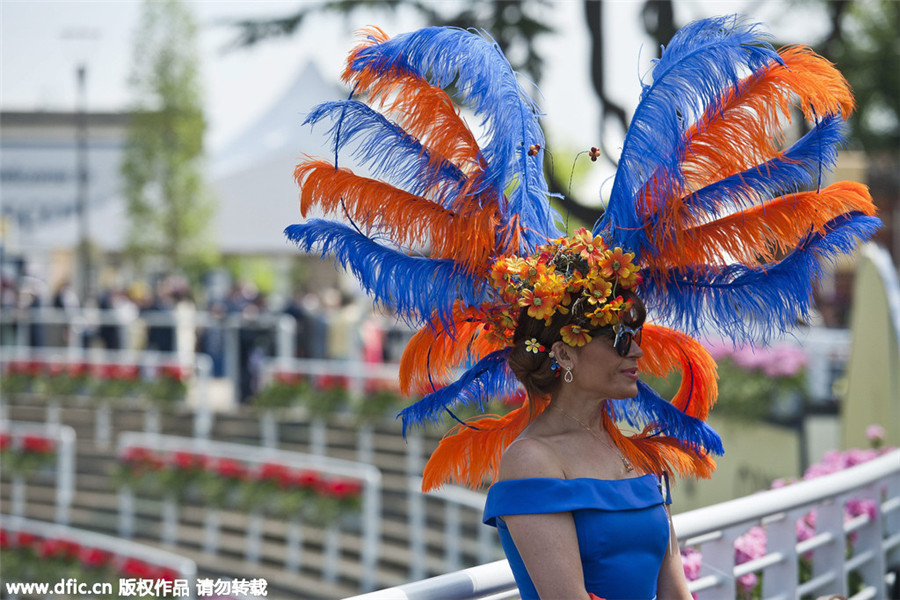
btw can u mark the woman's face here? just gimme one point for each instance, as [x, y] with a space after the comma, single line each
[597, 368]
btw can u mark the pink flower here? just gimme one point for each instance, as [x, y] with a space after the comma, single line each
[784, 361]
[806, 526]
[748, 581]
[875, 434]
[857, 507]
[691, 560]
[750, 546]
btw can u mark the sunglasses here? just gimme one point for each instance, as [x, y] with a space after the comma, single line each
[624, 335]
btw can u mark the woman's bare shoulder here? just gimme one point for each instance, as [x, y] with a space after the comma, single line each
[530, 457]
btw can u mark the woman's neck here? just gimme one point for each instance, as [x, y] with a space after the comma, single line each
[586, 411]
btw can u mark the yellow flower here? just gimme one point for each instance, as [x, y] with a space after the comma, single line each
[576, 336]
[534, 346]
[598, 290]
[516, 265]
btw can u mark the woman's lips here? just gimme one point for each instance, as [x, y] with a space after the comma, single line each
[631, 373]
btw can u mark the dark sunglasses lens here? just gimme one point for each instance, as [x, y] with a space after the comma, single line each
[623, 342]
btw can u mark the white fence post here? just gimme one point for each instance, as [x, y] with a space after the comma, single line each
[126, 512]
[293, 556]
[169, 529]
[415, 507]
[63, 438]
[211, 531]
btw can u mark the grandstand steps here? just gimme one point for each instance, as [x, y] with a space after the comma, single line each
[95, 504]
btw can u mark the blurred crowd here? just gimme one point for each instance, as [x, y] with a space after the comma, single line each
[239, 330]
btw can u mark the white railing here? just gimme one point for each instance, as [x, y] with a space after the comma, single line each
[875, 555]
[78, 322]
[455, 500]
[370, 521]
[200, 366]
[355, 373]
[63, 438]
[183, 566]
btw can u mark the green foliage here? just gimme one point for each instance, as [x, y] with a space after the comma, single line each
[377, 405]
[743, 393]
[168, 204]
[868, 54]
[285, 390]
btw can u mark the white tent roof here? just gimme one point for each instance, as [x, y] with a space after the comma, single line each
[253, 175]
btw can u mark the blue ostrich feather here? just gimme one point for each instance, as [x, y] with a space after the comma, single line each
[751, 304]
[388, 150]
[799, 168]
[704, 58]
[485, 83]
[416, 287]
[489, 378]
[649, 407]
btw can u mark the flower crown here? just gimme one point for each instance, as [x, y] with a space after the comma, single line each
[579, 272]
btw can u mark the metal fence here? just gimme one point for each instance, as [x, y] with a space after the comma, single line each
[875, 556]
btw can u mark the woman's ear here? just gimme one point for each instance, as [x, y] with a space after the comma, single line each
[564, 354]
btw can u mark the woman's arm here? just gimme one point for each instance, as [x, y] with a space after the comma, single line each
[548, 542]
[671, 584]
[548, 545]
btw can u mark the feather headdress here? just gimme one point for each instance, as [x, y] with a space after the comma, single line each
[722, 227]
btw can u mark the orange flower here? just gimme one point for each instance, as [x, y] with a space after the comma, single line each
[588, 246]
[617, 264]
[540, 305]
[576, 336]
[608, 314]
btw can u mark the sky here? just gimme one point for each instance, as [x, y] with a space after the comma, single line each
[42, 42]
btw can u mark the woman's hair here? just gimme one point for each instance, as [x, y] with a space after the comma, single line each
[534, 370]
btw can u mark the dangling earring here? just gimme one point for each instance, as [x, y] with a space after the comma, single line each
[568, 377]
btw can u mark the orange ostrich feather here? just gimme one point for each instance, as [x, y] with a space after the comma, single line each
[667, 350]
[470, 454]
[422, 110]
[767, 231]
[467, 238]
[660, 454]
[741, 131]
[744, 129]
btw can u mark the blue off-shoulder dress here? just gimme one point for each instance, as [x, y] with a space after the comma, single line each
[622, 526]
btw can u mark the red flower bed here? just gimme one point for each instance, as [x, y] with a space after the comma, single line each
[22, 549]
[38, 444]
[222, 482]
[23, 455]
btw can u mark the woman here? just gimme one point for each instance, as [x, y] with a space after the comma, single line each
[573, 514]
[706, 223]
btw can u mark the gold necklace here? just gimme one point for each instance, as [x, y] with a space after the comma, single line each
[625, 462]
